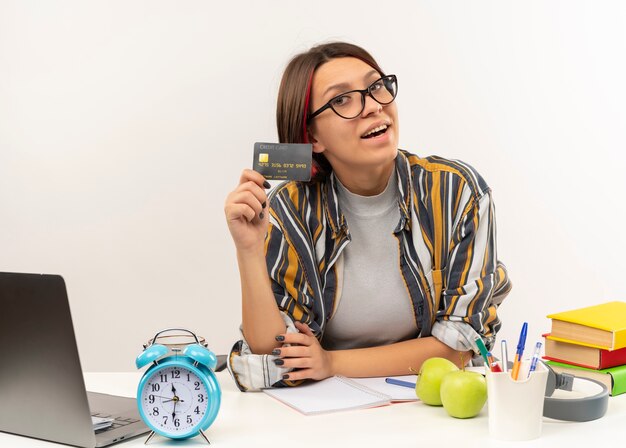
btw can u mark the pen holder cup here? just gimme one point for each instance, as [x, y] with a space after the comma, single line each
[516, 407]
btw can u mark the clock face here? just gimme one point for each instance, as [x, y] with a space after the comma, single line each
[174, 400]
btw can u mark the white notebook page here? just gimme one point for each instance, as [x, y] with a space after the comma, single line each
[330, 395]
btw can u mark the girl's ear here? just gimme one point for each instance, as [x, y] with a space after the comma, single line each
[317, 146]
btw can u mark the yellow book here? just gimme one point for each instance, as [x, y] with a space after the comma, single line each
[602, 326]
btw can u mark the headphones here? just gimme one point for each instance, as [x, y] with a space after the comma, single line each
[588, 401]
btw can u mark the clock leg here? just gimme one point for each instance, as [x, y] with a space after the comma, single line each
[149, 437]
[205, 437]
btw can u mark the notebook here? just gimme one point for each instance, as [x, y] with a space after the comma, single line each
[43, 376]
[339, 393]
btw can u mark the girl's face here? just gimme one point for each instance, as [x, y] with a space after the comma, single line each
[344, 142]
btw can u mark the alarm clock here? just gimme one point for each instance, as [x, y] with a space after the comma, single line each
[178, 395]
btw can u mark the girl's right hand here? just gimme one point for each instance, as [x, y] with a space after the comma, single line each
[247, 212]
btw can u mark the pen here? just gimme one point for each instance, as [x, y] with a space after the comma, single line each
[493, 365]
[483, 350]
[533, 363]
[504, 356]
[400, 382]
[520, 351]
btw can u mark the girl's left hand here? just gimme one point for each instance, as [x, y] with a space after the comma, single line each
[305, 354]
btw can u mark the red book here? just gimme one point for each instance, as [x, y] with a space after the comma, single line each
[584, 355]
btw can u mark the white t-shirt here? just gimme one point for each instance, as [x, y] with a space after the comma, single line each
[374, 307]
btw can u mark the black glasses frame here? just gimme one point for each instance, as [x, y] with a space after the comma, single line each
[363, 92]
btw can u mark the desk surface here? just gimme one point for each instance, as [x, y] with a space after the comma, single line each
[257, 420]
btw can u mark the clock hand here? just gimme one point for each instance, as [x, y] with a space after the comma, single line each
[161, 396]
[176, 400]
[169, 399]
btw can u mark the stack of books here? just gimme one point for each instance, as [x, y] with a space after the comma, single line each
[590, 343]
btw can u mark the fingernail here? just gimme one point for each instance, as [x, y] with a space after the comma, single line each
[263, 204]
[286, 376]
[261, 215]
[279, 362]
[280, 338]
[266, 184]
[276, 352]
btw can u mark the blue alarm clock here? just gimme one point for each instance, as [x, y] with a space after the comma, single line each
[178, 396]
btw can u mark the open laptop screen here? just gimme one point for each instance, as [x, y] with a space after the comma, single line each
[41, 381]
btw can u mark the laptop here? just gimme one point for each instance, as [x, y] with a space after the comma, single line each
[42, 391]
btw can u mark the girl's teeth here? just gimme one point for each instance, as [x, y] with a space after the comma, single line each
[379, 128]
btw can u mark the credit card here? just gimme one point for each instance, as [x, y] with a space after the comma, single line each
[283, 161]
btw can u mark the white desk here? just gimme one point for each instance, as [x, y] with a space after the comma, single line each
[256, 420]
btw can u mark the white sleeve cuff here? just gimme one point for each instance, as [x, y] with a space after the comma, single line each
[457, 335]
[255, 372]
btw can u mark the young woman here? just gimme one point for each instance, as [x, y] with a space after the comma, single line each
[383, 260]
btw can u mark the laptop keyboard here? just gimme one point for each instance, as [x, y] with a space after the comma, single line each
[118, 422]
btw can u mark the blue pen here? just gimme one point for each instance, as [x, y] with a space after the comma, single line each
[533, 363]
[520, 351]
[400, 382]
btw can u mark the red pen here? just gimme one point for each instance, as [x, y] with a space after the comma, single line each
[493, 365]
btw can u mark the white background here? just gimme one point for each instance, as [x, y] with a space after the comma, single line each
[124, 124]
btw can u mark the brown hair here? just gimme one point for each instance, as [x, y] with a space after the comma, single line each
[292, 110]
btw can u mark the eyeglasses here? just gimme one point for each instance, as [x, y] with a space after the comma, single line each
[350, 104]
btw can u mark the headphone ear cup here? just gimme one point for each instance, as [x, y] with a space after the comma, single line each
[150, 354]
[201, 355]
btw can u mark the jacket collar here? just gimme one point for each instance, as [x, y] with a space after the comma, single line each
[337, 220]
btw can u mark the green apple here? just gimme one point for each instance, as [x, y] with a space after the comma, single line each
[429, 379]
[463, 393]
